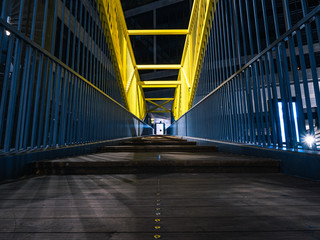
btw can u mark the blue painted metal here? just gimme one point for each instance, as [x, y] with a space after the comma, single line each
[46, 103]
[244, 107]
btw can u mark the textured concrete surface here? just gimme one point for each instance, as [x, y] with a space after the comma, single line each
[161, 206]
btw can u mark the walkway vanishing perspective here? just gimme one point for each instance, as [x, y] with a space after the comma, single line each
[160, 119]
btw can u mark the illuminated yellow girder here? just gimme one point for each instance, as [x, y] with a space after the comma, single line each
[158, 66]
[192, 55]
[159, 32]
[113, 21]
[160, 99]
[131, 87]
[159, 84]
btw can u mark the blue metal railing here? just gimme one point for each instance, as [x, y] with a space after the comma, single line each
[251, 90]
[46, 102]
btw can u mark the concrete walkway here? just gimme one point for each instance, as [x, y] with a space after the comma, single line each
[176, 206]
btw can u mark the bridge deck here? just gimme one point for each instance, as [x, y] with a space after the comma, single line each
[211, 195]
[189, 206]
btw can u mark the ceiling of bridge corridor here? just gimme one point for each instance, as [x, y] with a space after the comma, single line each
[157, 14]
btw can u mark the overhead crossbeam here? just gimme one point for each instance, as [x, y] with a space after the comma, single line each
[158, 66]
[159, 99]
[159, 84]
[158, 32]
[159, 105]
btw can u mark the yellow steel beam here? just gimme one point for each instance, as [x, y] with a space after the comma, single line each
[158, 66]
[159, 32]
[159, 99]
[159, 84]
[193, 52]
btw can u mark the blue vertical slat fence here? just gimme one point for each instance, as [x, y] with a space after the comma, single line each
[257, 91]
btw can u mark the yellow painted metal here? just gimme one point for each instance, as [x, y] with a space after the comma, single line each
[153, 110]
[117, 33]
[159, 32]
[196, 40]
[159, 99]
[159, 84]
[112, 17]
[158, 66]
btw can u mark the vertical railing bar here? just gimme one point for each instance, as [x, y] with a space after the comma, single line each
[272, 117]
[68, 37]
[13, 87]
[235, 120]
[256, 89]
[23, 100]
[12, 97]
[56, 106]
[64, 107]
[240, 110]
[84, 42]
[216, 61]
[79, 39]
[74, 36]
[29, 100]
[29, 93]
[71, 102]
[23, 120]
[245, 107]
[58, 80]
[305, 83]
[262, 79]
[301, 121]
[233, 40]
[219, 47]
[223, 44]
[279, 59]
[227, 42]
[272, 74]
[38, 86]
[80, 111]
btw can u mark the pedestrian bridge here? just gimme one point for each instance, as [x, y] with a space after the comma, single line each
[248, 80]
[75, 123]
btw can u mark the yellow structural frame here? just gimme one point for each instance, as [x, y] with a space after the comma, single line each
[159, 105]
[159, 84]
[159, 32]
[112, 17]
[113, 20]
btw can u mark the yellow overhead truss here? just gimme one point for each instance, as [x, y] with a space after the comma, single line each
[111, 15]
[113, 19]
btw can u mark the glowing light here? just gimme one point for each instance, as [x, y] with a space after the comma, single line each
[283, 134]
[295, 117]
[309, 140]
[7, 32]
